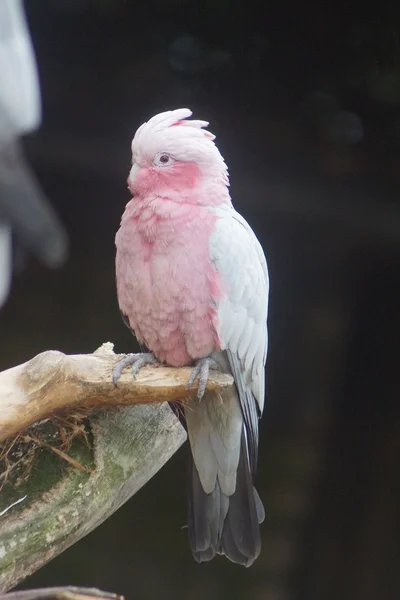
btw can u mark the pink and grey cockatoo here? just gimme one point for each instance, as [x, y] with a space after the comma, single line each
[192, 285]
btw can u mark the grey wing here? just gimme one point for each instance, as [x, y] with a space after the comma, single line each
[224, 507]
[242, 315]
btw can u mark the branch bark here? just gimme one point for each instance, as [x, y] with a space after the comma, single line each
[53, 381]
[61, 593]
[129, 445]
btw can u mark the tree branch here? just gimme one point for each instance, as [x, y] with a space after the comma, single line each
[61, 593]
[129, 446]
[58, 505]
[53, 381]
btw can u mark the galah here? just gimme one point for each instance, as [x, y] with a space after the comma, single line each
[192, 285]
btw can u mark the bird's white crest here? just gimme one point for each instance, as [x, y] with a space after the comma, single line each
[186, 140]
[171, 118]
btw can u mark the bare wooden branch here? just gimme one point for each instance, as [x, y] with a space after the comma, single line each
[129, 444]
[61, 593]
[53, 381]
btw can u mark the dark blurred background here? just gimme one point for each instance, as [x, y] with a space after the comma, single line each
[305, 101]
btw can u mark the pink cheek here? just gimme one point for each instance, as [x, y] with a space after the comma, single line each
[176, 177]
[181, 176]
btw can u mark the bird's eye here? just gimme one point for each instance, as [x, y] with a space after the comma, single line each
[163, 159]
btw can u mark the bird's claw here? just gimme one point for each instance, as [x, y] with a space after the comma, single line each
[137, 361]
[202, 371]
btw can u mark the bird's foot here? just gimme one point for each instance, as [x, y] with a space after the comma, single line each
[202, 370]
[137, 361]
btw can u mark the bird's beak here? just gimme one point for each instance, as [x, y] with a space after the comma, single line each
[133, 172]
[132, 176]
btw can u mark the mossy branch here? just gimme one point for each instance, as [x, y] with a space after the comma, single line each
[60, 503]
[61, 593]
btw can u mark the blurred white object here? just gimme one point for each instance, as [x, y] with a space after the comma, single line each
[5, 261]
[19, 85]
[24, 210]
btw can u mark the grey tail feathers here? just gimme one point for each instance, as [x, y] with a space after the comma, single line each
[223, 524]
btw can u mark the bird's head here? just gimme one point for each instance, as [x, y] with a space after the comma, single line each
[176, 158]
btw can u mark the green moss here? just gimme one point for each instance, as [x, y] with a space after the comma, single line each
[35, 469]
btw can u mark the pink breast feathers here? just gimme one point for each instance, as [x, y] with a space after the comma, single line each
[167, 285]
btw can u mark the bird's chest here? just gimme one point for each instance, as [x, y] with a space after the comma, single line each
[168, 287]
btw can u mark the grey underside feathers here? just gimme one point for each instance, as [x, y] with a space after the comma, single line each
[223, 524]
